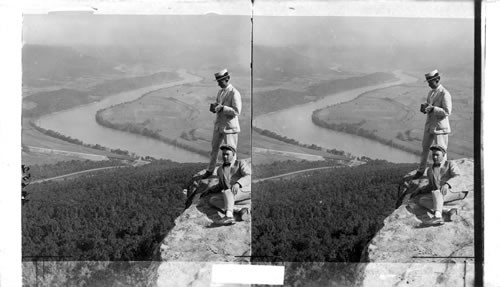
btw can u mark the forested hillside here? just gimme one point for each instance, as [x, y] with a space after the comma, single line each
[325, 216]
[108, 215]
[64, 98]
[282, 98]
[47, 65]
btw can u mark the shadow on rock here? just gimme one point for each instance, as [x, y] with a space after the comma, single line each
[410, 195]
[198, 194]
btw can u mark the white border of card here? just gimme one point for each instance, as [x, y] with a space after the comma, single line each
[10, 72]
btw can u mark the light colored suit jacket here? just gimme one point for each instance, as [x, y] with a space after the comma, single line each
[449, 173]
[437, 120]
[227, 118]
[240, 172]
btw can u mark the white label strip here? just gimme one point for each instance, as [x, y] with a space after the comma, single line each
[247, 274]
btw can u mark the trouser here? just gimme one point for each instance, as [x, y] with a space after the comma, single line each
[217, 140]
[225, 200]
[428, 140]
[435, 200]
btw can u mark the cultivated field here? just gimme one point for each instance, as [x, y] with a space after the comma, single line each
[288, 92]
[393, 113]
[32, 137]
[181, 113]
[268, 150]
[61, 95]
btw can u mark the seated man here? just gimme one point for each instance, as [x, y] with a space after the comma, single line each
[234, 185]
[443, 186]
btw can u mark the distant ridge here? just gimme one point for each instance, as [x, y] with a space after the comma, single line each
[59, 63]
[277, 62]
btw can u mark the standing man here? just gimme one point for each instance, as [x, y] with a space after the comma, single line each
[437, 126]
[234, 185]
[443, 186]
[227, 108]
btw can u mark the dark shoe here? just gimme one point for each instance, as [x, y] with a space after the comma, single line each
[207, 174]
[418, 175]
[435, 221]
[245, 214]
[226, 221]
[453, 214]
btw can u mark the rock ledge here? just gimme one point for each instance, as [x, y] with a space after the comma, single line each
[405, 253]
[187, 253]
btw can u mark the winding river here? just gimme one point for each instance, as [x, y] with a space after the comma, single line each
[296, 123]
[79, 123]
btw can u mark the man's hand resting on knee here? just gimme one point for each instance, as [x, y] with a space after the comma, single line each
[444, 189]
[235, 188]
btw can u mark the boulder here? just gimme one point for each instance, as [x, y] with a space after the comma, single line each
[406, 252]
[186, 255]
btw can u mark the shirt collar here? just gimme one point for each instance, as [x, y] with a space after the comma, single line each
[441, 164]
[230, 163]
[229, 86]
[438, 88]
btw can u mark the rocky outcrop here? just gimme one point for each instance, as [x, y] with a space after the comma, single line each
[186, 255]
[407, 253]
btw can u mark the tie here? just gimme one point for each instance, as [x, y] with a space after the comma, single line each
[437, 176]
[226, 172]
[433, 96]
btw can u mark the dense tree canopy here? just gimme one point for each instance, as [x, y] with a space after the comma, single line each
[107, 215]
[327, 215]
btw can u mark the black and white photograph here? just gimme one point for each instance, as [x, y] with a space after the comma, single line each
[363, 146]
[135, 147]
[247, 143]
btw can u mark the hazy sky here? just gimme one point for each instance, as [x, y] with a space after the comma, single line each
[207, 36]
[56, 29]
[362, 31]
[235, 30]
